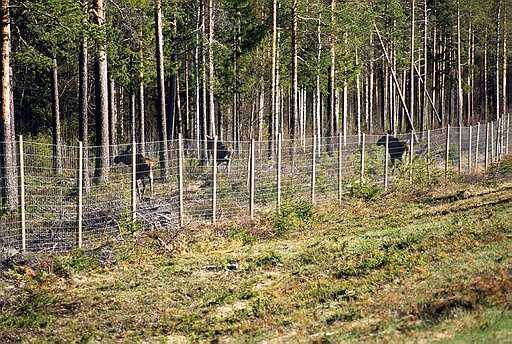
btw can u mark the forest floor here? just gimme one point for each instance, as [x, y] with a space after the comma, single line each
[430, 265]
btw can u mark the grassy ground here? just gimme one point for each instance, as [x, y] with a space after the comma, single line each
[431, 265]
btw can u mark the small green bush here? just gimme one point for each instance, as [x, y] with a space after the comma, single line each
[292, 215]
[366, 190]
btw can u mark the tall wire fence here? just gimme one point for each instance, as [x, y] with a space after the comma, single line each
[63, 206]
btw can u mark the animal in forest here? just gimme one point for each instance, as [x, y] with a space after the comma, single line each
[396, 147]
[143, 169]
[224, 152]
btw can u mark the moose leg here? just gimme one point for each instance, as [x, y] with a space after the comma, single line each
[151, 182]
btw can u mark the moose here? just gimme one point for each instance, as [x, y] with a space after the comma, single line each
[224, 153]
[396, 148]
[143, 169]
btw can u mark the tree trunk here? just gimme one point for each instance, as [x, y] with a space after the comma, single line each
[273, 130]
[213, 131]
[10, 182]
[56, 127]
[498, 38]
[162, 116]
[294, 105]
[112, 110]
[459, 72]
[83, 97]
[411, 80]
[102, 137]
[332, 75]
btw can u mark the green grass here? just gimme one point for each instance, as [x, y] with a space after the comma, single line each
[433, 265]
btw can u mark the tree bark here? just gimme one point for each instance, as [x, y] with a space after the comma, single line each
[460, 100]
[102, 136]
[162, 116]
[294, 100]
[83, 98]
[10, 182]
[210, 68]
[56, 127]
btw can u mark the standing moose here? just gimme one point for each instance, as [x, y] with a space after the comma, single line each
[143, 169]
[224, 153]
[396, 148]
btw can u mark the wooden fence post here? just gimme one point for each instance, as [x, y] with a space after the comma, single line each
[339, 167]
[22, 196]
[80, 192]
[492, 142]
[134, 181]
[477, 147]
[508, 134]
[486, 164]
[214, 174]
[460, 150]
[253, 159]
[429, 158]
[470, 149]
[363, 141]
[313, 170]
[279, 162]
[180, 178]
[447, 153]
[386, 164]
[411, 156]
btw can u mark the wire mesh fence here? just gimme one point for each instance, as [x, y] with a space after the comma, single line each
[78, 201]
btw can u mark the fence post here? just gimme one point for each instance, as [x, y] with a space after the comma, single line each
[22, 196]
[492, 142]
[339, 166]
[470, 149]
[477, 147]
[279, 158]
[80, 191]
[429, 158]
[214, 173]
[508, 134]
[486, 165]
[460, 149]
[386, 164]
[411, 156]
[363, 139]
[134, 181]
[180, 176]
[447, 153]
[313, 170]
[252, 164]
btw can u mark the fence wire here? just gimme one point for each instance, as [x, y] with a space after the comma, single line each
[319, 169]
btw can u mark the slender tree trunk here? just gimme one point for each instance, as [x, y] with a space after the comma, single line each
[358, 101]
[198, 85]
[332, 76]
[504, 94]
[142, 115]
[486, 82]
[273, 130]
[210, 67]
[112, 110]
[498, 38]
[411, 80]
[460, 100]
[10, 183]
[294, 100]
[102, 164]
[83, 97]
[162, 116]
[56, 127]
[369, 115]
[425, 114]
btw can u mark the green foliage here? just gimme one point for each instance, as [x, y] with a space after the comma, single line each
[292, 215]
[366, 190]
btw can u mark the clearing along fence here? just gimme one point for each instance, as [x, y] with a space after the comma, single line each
[62, 205]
